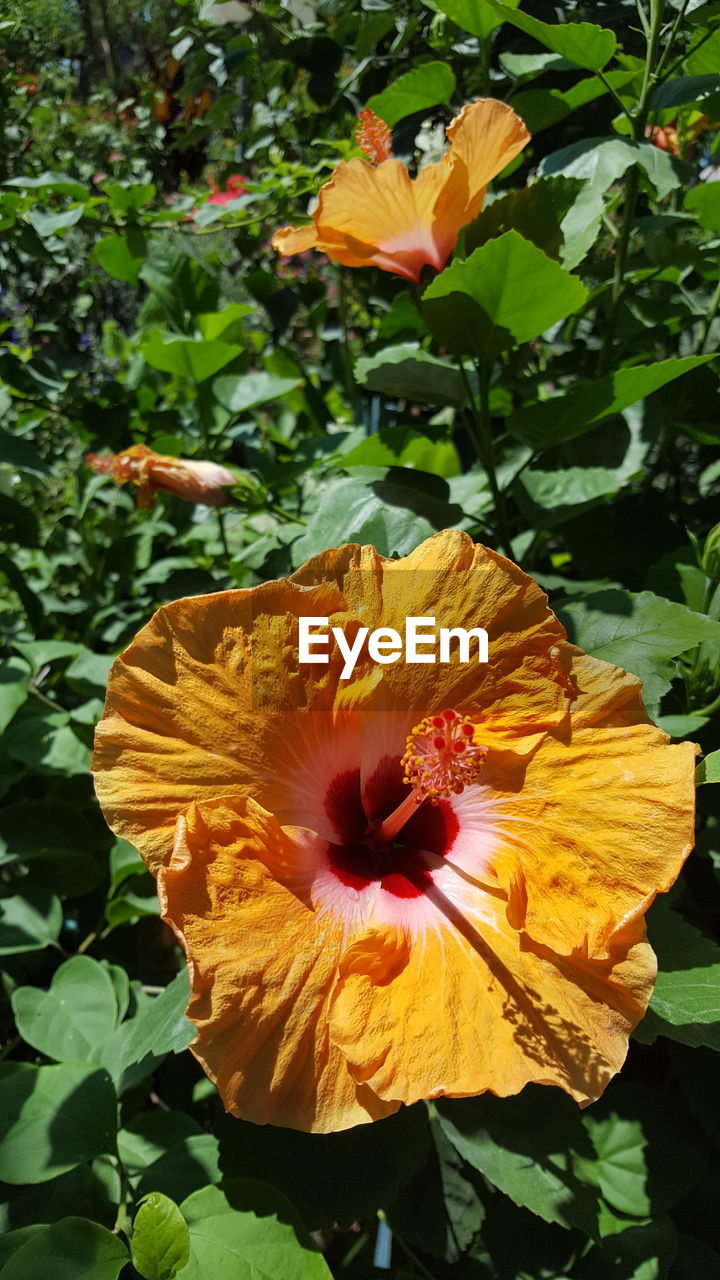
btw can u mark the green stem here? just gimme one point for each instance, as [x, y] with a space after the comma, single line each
[632, 185]
[350, 384]
[614, 93]
[671, 39]
[710, 316]
[484, 447]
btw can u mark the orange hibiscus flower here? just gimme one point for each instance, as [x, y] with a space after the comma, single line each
[420, 881]
[380, 215]
[196, 481]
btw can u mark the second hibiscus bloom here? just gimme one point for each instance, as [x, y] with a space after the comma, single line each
[378, 215]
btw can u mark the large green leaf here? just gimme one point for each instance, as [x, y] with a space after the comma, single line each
[14, 688]
[160, 1240]
[479, 17]
[636, 1253]
[185, 1167]
[582, 43]
[641, 633]
[330, 1177]
[688, 89]
[72, 1249]
[632, 1130]
[406, 370]
[428, 85]
[392, 508]
[160, 1027]
[121, 256]
[704, 202]
[532, 1147]
[536, 212]
[542, 108]
[685, 1003]
[72, 1020]
[505, 293]
[52, 1119]
[709, 769]
[561, 418]
[429, 451]
[191, 358]
[29, 921]
[245, 1230]
[602, 162]
[246, 391]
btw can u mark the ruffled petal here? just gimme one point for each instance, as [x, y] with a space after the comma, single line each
[521, 692]
[376, 215]
[263, 963]
[209, 700]
[484, 138]
[600, 819]
[495, 1014]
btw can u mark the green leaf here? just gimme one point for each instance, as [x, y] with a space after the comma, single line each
[29, 922]
[428, 85]
[58, 182]
[559, 493]
[151, 1134]
[542, 108]
[632, 1130]
[121, 256]
[48, 224]
[531, 1147]
[602, 162]
[160, 1240]
[581, 43]
[408, 371]
[186, 1167]
[685, 1003]
[536, 212]
[506, 292]
[637, 1253]
[245, 1230]
[191, 358]
[685, 90]
[331, 1177]
[226, 324]
[403, 447]
[72, 1249]
[479, 17]
[14, 688]
[45, 741]
[52, 1119]
[72, 1020]
[709, 769]
[248, 390]
[562, 418]
[126, 199]
[704, 202]
[393, 510]
[159, 1028]
[641, 633]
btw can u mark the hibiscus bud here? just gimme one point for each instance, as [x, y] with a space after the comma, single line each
[194, 480]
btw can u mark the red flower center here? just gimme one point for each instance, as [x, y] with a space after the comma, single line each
[386, 831]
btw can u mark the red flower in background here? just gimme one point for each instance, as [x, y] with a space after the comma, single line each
[234, 188]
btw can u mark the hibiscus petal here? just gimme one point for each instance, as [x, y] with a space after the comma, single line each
[494, 1015]
[262, 962]
[600, 819]
[523, 689]
[484, 138]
